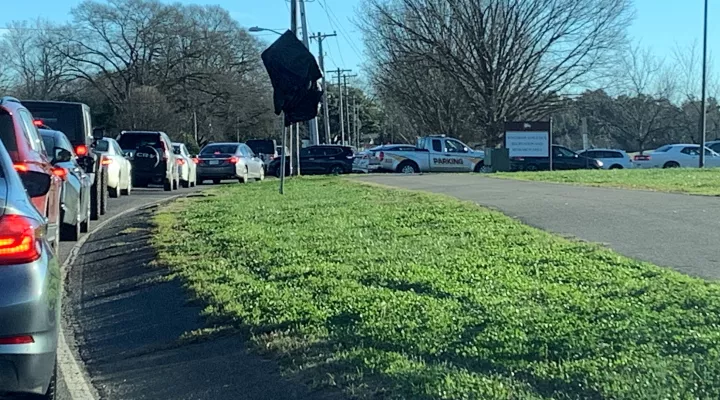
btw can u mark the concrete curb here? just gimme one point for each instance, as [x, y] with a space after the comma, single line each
[76, 378]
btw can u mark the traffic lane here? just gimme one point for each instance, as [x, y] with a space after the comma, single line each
[673, 230]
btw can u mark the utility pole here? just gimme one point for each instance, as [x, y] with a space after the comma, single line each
[339, 73]
[703, 106]
[356, 131]
[326, 114]
[195, 127]
[347, 103]
[312, 124]
[293, 16]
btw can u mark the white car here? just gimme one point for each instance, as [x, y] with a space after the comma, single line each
[675, 156]
[186, 165]
[119, 167]
[611, 158]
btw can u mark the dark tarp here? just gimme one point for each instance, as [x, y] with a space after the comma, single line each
[294, 74]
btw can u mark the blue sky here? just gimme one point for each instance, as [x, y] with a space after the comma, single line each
[661, 25]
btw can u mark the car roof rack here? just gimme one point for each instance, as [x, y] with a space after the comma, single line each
[5, 99]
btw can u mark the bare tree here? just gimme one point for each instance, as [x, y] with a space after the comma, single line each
[510, 57]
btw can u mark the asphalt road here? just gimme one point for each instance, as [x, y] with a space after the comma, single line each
[672, 230]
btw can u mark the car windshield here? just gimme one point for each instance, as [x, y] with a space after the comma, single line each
[102, 145]
[219, 149]
[134, 141]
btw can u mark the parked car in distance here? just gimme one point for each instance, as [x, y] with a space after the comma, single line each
[27, 151]
[265, 149]
[320, 159]
[713, 145]
[119, 167]
[676, 156]
[30, 285]
[611, 158]
[563, 159]
[75, 121]
[186, 165]
[76, 185]
[218, 161]
[279, 150]
[152, 159]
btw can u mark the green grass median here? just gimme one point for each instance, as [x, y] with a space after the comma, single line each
[682, 180]
[393, 294]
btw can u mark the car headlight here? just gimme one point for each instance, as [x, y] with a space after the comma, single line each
[599, 163]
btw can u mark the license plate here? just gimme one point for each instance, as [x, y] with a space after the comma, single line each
[214, 162]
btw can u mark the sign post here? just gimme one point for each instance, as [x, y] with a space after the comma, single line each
[529, 139]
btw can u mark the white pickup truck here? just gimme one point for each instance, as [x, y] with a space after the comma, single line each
[435, 153]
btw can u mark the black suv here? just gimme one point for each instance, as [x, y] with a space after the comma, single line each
[317, 160]
[74, 120]
[152, 158]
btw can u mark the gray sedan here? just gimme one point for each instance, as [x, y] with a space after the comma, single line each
[218, 161]
[30, 287]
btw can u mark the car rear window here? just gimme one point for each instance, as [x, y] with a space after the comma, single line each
[219, 148]
[48, 141]
[7, 131]
[66, 118]
[102, 145]
[663, 149]
[134, 141]
[261, 146]
[177, 150]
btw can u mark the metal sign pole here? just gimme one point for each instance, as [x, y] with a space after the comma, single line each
[550, 144]
[282, 160]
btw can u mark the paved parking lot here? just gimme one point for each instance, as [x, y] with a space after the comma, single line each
[673, 230]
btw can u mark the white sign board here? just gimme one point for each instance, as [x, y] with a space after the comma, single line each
[528, 144]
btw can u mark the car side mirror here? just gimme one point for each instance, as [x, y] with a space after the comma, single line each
[98, 133]
[36, 183]
[62, 155]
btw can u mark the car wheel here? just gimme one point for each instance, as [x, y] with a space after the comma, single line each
[69, 233]
[671, 164]
[616, 166]
[167, 185]
[85, 225]
[216, 181]
[51, 393]
[185, 184]
[337, 170]
[95, 209]
[175, 184]
[278, 172]
[531, 167]
[126, 191]
[408, 167]
[113, 192]
[244, 178]
[262, 175]
[104, 198]
[479, 166]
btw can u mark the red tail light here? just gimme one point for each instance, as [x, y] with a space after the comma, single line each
[106, 161]
[9, 341]
[18, 240]
[196, 160]
[20, 167]
[234, 160]
[180, 161]
[641, 157]
[81, 150]
[60, 172]
[38, 122]
[381, 156]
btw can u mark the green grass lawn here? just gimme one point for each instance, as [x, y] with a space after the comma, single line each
[404, 295]
[683, 180]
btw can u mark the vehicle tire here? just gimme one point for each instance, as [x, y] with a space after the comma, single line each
[167, 185]
[278, 172]
[216, 181]
[185, 184]
[531, 167]
[175, 184]
[479, 166]
[95, 201]
[408, 167]
[336, 169]
[113, 192]
[671, 164]
[616, 166]
[51, 393]
[126, 191]
[244, 178]
[69, 233]
[262, 175]
[104, 197]
[85, 225]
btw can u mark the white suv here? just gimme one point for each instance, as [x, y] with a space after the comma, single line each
[611, 158]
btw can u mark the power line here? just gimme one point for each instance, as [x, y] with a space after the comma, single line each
[346, 36]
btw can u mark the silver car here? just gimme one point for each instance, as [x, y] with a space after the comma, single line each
[30, 287]
[218, 161]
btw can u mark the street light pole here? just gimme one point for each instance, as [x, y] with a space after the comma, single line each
[703, 106]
